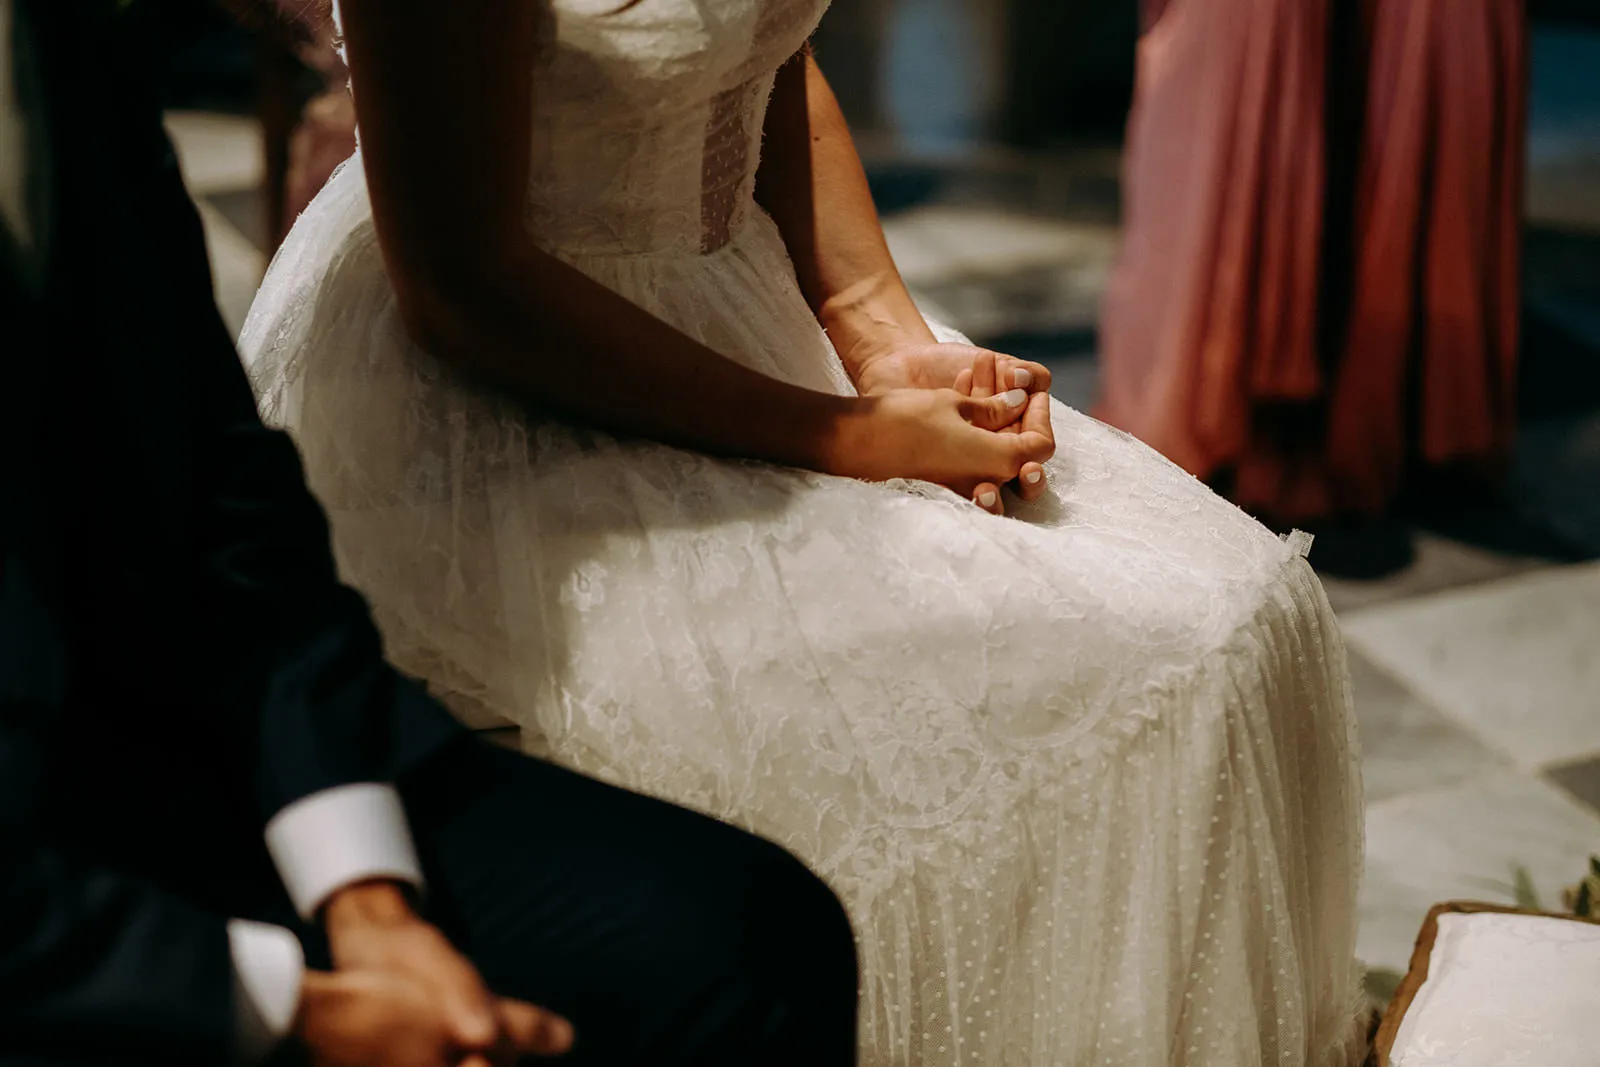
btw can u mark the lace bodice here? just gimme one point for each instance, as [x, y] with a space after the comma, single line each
[647, 119]
[647, 125]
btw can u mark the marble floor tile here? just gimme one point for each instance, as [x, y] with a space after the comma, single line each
[1513, 661]
[1042, 299]
[1407, 746]
[997, 272]
[984, 242]
[217, 153]
[1582, 781]
[1465, 842]
[237, 266]
[1440, 564]
[918, 249]
[246, 210]
[932, 307]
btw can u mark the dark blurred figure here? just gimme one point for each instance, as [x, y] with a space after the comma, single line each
[326, 134]
[1316, 307]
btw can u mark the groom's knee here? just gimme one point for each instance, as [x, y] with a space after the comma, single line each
[788, 960]
[805, 920]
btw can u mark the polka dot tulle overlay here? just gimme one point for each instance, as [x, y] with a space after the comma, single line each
[1083, 776]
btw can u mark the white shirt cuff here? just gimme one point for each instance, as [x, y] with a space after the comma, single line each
[328, 840]
[267, 968]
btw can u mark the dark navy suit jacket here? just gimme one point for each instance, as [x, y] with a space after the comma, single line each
[178, 660]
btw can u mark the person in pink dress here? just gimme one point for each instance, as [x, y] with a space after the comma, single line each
[1316, 307]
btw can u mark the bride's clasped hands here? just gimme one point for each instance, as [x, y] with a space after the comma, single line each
[1002, 401]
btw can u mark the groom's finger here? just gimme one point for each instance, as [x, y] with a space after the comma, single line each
[534, 1031]
[468, 1006]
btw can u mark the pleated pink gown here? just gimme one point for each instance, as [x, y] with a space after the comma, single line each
[1317, 292]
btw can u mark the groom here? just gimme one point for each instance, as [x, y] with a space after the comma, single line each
[229, 833]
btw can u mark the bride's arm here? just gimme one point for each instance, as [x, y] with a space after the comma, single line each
[812, 184]
[444, 94]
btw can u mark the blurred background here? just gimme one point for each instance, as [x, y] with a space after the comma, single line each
[995, 134]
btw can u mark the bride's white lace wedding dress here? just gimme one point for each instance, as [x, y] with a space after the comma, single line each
[1084, 777]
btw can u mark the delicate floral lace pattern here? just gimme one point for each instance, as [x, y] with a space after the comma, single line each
[1085, 780]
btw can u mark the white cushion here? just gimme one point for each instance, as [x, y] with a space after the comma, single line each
[1506, 991]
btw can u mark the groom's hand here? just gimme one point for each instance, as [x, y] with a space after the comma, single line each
[380, 1019]
[373, 929]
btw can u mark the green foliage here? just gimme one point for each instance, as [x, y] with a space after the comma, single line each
[1522, 892]
[1583, 899]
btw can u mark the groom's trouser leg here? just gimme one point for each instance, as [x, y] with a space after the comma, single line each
[666, 937]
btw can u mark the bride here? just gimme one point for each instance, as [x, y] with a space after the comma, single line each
[629, 428]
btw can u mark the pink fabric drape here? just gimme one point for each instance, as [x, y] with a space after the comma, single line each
[1259, 335]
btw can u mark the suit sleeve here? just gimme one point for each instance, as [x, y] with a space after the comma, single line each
[296, 649]
[98, 964]
[287, 649]
[94, 963]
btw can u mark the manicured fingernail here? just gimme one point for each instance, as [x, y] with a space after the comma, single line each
[986, 498]
[1032, 477]
[1015, 398]
[1021, 378]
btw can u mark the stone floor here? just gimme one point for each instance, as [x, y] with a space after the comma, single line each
[1476, 670]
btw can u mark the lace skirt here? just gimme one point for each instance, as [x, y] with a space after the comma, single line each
[1084, 777]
